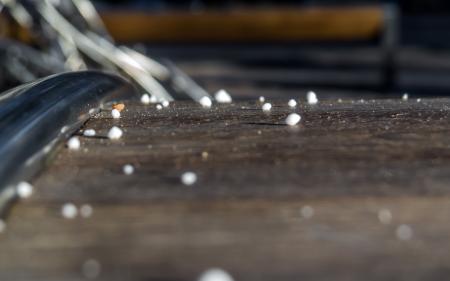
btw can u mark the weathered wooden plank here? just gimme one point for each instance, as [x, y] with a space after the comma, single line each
[368, 148]
[347, 160]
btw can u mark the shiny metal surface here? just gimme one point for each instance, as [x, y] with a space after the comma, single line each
[37, 116]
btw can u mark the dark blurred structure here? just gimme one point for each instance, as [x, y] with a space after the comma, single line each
[364, 48]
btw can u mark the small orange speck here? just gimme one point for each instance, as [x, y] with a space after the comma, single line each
[118, 106]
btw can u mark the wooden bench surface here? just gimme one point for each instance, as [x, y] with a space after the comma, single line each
[247, 25]
[246, 213]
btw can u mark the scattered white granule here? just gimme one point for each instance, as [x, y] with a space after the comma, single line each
[292, 103]
[311, 97]
[89, 133]
[91, 269]
[205, 102]
[158, 107]
[222, 96]
[307, 212]
[266, 107]
[384, 216]
[339, 100]
[419, 100]
[115, 133]
[405, 96]
[293, 119]
[86, 211]
[73, 143]
[188, 178]
[404, 232]
[215, 274]
[69, 211]
[2, 226]
[262, 99]
[115, 114]
[128, 169]
[165, 103]
[153, 99]
[205, 155]
[24, 189]
[145, 99]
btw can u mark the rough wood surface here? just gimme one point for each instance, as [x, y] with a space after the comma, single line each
[346, 160]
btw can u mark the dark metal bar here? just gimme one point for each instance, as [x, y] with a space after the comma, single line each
[37, 116]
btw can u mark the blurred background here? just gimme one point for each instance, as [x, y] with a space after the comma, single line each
[357, 49]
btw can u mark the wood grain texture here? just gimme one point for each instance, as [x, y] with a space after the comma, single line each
[346, 160]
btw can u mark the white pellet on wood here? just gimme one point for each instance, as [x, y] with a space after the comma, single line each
[145, 99]
[115, 114]
[311, 97]
[205, 102]
[69, 211]
[307, 212]
[222, 96]
[292, 103]
[267, 107]
[74, 143]
[86, 211]
[89, 133]
[385, 216]
[404, 232]
[24, 189]
[293, 119]
[215, 274]
[128, 169]
[188, 178]
[115, 133]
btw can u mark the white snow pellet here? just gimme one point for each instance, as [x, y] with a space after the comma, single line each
[188, 178]
[86, 211]
[292, 103]
[165, 103]
[89, 133]
[91, 269]
[158, 107]
[69, 211]
[404, 232]
[266, 107]
[128, 169]
[205, 102]
[115, 114]
[262, 99]
[115, 133]
[311, 97]
[153, 99]
[293, 119]
[405, 96]
[384, 216]
[24, 189]
[145, 99]
[222, 96]
[419, 100]
[307, 212]
[73, 143]
[215, 274]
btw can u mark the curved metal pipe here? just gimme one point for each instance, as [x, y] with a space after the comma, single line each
[37, 116]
